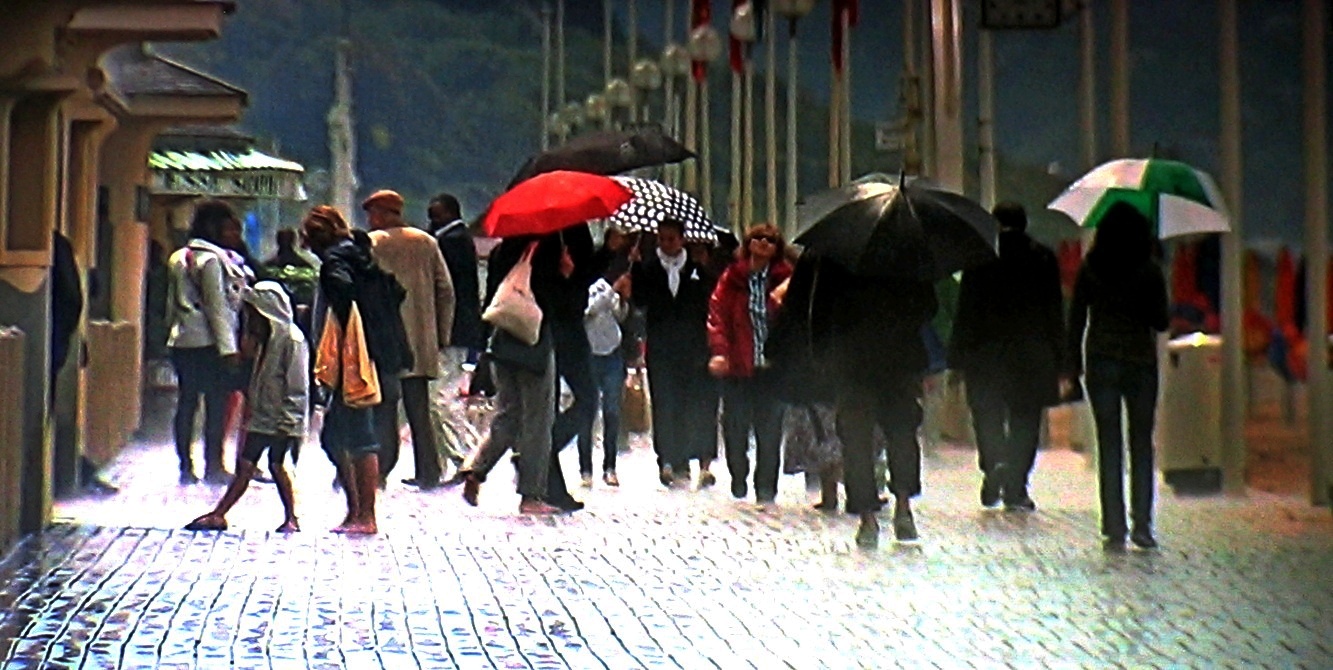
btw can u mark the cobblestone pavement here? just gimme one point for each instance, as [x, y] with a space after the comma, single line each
[651, 578]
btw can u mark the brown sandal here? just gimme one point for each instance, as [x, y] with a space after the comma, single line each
[207, 522]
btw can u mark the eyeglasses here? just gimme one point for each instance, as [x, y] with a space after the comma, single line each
[771, 239]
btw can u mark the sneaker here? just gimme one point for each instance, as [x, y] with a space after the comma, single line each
[990, 490]
[609, 478]
[587, 480]
[1021, 503]
[1143, 539]
[534, 506]
[706, 479]
[666, 476]
[904, 526]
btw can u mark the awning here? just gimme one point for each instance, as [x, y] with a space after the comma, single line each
[226, 174]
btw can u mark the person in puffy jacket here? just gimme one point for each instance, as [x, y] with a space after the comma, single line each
[278, 395]
[740, 313]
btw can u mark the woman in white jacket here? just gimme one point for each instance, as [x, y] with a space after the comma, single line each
[203, 312]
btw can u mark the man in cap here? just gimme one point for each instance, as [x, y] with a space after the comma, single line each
[414, 258]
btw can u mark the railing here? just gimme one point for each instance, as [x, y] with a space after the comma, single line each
[11, 433]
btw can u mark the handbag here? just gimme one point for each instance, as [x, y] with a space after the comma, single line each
[513, 308]
[361, 381]
[634, 410]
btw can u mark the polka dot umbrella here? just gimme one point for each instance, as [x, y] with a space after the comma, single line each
[654, 201]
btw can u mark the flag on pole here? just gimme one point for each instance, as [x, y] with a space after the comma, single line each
[851, 9]
[701, 13]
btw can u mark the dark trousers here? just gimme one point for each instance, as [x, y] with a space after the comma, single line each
[608, 373]
[1110, 382]
[414, 395]
[200, 371]
[1007, 433]
[895, 406]
[684, 411]
[751, 404]
[573, 363]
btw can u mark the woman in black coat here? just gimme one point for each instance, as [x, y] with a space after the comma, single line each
[1120, 301]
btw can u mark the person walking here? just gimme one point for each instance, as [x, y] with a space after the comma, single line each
[573, 355]
[348, 435]
[608, 307]
[279, 392]
[1007, 346]
[465, 339]
[524, 376]
[741, 311]
[414, 258]
[673, 291]
[1120, 304]
[203, 310]
[877, 358]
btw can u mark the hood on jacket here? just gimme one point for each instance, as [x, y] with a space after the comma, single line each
[270, 299]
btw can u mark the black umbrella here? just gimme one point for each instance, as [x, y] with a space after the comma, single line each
[606, 153]
[909, 231]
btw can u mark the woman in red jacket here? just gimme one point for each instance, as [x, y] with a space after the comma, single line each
[740, 313]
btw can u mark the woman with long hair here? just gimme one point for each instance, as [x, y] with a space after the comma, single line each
[1120, 302]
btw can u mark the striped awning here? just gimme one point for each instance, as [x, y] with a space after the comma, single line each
[253, 174]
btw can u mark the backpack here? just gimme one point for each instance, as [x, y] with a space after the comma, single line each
[380, 296]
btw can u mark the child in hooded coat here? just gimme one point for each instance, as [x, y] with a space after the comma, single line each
[278, 397]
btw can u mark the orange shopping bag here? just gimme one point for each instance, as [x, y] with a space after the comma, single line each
[328, 356]
[360, 380]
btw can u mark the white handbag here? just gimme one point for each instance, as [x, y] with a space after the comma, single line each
[514, 309]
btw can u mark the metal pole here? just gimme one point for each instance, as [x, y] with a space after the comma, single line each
[930, 149]
[1233, 258]
[705, 149]
[691, 134]
[834, 125]
[845, 133]
[747, 148]
[986, 117]
[632, 19]
[1314, 22]
[560, 53]
[1120, 78]
[546, 75]
[1087, 84]
[911, 93]
[734, 207]
[608, 37]
[792, 158]
[771, 118]
[947, 25]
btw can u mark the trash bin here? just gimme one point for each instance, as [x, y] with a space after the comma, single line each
[1190, 437]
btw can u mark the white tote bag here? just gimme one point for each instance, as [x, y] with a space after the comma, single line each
[514, 309]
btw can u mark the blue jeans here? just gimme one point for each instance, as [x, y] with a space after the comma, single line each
[1111, 381]
[608, 372]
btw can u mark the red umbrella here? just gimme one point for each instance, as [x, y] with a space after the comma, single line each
[552, 201]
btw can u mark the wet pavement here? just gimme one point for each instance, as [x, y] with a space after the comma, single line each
[653, 578]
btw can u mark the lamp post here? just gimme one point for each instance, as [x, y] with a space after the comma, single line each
[645, 77]
[705, 46]
[546, 76]
[792, 10]
[743, 34]
[675, 67]
[618, 94]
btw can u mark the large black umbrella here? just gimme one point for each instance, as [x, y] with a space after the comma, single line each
[910, 231]
[606, 153]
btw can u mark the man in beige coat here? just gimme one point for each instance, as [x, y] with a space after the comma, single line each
[414, 258]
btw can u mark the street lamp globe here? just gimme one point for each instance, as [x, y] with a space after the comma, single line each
[595, 108]
[675, 60]
[743, 26]
[705, 44]
[646, 75]
[619, 93]
[572, 114]
[555, 124]
[792, 9]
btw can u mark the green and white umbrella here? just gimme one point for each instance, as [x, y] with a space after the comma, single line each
[1177, 198]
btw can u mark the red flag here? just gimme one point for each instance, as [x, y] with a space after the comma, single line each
[851, 9]
[737, 50]
[701, 13]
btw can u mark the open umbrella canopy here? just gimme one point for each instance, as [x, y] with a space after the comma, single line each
[654, 201]
[606, 153]
[1177, 198]
[552, 201]
[898, 231]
